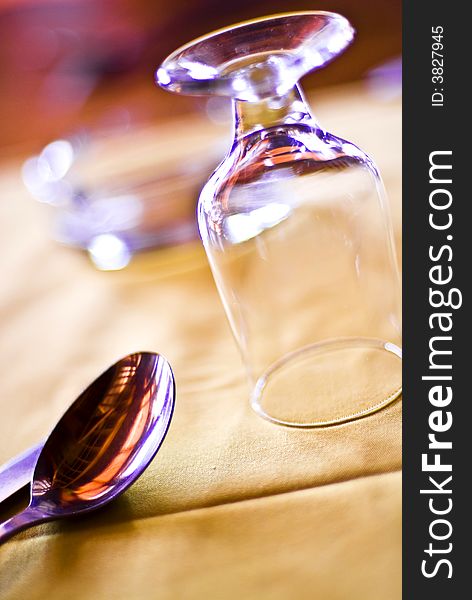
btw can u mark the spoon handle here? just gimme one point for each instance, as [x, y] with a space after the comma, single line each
[18, 472]
[27, 517]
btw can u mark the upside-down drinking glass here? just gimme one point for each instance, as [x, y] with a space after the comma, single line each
[296, 227]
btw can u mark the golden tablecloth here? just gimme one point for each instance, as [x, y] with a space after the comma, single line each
[233, 506]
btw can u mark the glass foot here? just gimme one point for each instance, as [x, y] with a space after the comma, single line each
[256, 59]
[330, 383]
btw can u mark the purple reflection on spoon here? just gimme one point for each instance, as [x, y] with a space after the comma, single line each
[102, 443]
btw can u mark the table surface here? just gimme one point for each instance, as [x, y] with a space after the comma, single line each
[233, 506]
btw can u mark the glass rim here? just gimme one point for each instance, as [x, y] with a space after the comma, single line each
[246, 22]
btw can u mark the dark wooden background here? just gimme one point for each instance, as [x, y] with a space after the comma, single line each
[65, 64]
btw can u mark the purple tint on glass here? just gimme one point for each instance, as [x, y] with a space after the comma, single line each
[295, 226]
[251, 60]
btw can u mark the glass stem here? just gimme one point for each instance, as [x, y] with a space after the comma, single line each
[254, 116]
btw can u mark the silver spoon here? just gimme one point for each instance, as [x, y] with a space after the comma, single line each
[103, 443]
[17, 472]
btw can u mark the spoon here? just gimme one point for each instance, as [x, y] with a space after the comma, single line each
[103, 443]
[17, 472]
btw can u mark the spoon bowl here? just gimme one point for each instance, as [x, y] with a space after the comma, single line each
[103, 442]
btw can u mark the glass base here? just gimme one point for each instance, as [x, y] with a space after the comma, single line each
[330, 383]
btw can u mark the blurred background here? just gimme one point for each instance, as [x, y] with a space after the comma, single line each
[94, 155]
[65, 64]
[94, 139]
